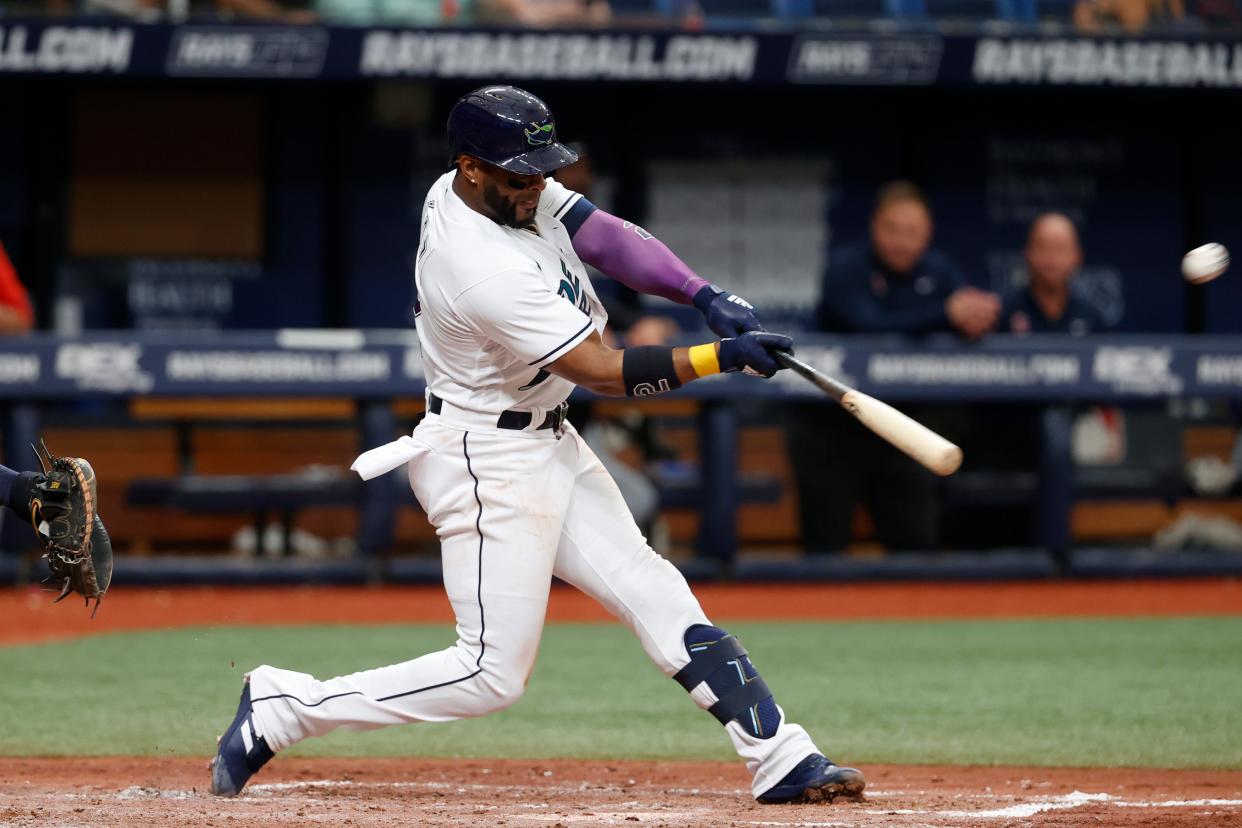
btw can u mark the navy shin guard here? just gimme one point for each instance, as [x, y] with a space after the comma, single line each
[720, 660]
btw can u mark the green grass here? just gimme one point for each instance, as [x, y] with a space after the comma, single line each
[1134, 692]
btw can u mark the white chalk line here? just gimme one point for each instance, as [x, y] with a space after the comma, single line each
[139, 792]
[1026, 809]
[595, 817]
[1182, 803]
[276, 787]
[639, 811]
[1069, 801]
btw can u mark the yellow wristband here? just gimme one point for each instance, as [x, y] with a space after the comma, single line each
[703, 359]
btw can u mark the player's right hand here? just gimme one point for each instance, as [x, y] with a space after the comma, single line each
[752, 352]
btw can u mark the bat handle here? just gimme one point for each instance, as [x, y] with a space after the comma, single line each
[833, 388]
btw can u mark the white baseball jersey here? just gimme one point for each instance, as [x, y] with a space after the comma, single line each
[498, 304]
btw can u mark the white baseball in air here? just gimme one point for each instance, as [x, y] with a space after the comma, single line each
[1205, 263]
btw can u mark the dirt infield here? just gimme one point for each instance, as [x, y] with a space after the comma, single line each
[140, 792]
[27, 615]
[392, 792]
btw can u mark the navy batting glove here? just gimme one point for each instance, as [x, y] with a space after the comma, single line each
[727, 314]
[752, 352]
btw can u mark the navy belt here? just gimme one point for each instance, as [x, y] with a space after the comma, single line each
[513, 419]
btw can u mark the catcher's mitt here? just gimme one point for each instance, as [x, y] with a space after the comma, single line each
[75, 543]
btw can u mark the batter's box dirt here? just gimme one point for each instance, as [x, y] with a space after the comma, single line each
[545, 794]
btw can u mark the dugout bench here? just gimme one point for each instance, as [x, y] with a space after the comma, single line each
[279, 495]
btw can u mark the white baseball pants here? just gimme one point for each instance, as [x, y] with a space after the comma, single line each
[512, 509]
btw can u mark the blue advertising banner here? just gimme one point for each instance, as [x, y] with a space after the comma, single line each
[33, 47]
[378, 364]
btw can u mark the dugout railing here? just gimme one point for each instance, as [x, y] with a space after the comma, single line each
[373, 369]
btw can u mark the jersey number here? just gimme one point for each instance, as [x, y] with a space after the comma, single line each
[571, 289]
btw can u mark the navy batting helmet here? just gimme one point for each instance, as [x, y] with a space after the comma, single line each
[507, 127]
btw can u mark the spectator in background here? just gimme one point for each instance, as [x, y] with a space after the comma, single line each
[283, 11]
[394, 12]
[1217, 14]
[545, 13]
[1132, 16]
[628, 321]
[631, 435]
[534, 13]
[1049, 302]
[16, 315]
[894, 283]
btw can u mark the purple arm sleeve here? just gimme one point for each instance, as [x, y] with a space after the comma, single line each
[634, 257]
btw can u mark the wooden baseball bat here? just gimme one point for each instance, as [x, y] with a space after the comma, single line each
[914, 438]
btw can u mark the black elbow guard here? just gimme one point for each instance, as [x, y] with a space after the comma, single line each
[648, 370]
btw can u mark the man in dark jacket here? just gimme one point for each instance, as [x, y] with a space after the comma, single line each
[893, 283]
[1049, 303]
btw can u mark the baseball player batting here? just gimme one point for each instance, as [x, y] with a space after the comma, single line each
[509, 323]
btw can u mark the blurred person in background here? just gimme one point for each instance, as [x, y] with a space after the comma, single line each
[1049, 302]
[286, 11]
[16, 319]
[892, 283]
[16, 314]
[545, 13]
[632, 434]
[1217, 14]
[1131, 16]
[896, 282]
[534, 13]
[394, 12]
[628, 320]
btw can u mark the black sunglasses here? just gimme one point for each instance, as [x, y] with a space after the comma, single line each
[524, 183]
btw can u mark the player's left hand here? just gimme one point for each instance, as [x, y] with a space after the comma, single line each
[727, 314]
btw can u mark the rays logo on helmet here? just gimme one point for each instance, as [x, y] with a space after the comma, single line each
[540, 135]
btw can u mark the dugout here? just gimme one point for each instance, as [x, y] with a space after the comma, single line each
[148, 198]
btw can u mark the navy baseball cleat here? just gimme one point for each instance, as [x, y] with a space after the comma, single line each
[240, 752]
[815, 779]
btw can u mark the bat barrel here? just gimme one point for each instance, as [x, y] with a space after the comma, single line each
[915, 439]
